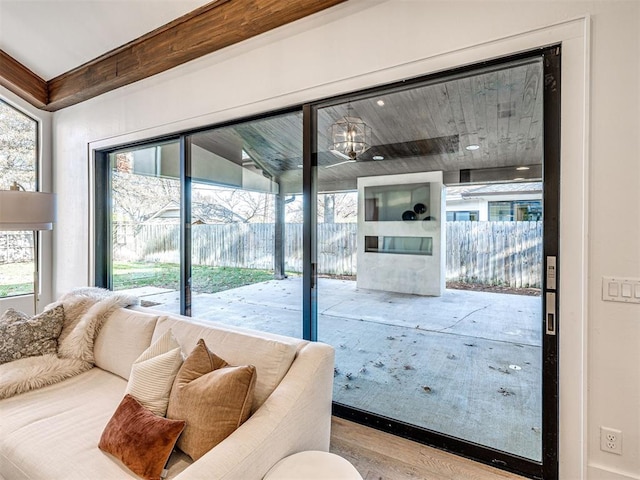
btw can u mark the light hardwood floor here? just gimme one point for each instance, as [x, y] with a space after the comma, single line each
[381, 456]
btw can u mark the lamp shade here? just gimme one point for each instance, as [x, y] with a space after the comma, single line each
[21, 210]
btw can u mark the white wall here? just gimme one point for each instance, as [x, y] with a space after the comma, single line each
[395, 39]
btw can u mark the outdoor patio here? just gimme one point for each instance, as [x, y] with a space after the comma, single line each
[466, 364]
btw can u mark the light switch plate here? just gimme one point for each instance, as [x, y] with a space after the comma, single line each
[619, 289]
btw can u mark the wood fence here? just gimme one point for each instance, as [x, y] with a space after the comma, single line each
[495, 253]
[246, 245]
[490, 253]
[16, 247]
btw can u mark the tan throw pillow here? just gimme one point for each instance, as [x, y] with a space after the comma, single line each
[213, 397]
[153, 373]
[24, 336]
[140, 439]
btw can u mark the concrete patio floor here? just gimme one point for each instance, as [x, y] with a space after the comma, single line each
[466, 364]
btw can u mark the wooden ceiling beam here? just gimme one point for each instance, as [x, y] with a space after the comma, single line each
[23, 82]
[203, 31]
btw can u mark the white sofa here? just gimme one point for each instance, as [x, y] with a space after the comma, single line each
[53, 432]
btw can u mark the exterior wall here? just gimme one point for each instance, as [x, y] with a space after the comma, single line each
[395, 39]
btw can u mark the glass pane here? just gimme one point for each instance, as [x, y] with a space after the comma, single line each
[18, 157]
[246, 214]
[145, 194]
[438, 322]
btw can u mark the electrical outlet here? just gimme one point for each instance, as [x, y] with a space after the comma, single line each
[611, 440]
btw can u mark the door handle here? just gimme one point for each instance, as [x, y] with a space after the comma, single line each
[550, 313]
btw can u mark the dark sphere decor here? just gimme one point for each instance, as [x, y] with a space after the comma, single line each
[420, 208]
[409, 215]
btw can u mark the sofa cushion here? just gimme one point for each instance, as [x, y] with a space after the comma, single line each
[213, 397]
[271, 355]
[23, 336]
[153, 373]
[53, 432]
[122, 339]
[140, 439]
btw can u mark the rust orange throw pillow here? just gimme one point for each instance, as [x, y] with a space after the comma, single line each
[213, 397]
[140, 439]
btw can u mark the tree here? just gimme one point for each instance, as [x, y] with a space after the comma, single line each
[233, 205]
[338, 207]
[18, 148]
[137, 198]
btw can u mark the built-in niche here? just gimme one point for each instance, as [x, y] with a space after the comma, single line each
[399, 245]
[391, 203]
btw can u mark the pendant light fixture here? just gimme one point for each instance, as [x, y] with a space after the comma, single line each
[349, 136]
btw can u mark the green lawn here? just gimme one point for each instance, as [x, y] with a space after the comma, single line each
[167, 275]
[16, 279]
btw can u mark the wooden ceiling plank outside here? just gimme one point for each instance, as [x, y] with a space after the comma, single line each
[23, 82]
[205, 30]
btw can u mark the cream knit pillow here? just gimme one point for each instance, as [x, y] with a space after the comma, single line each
[153, 373]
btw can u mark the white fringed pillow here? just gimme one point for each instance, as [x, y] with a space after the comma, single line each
[153, 373]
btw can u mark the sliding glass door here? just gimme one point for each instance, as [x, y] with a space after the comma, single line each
[409, 226]
[433, 201]
[246, 223]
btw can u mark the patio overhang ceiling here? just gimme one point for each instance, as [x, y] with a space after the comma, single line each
[205, 30]
[426, 128]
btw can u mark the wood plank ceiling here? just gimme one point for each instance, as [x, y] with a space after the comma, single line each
[424, 128]
[205, 30]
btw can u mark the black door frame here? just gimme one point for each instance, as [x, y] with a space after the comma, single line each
[548, 468]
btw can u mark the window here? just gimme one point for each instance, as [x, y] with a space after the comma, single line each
[463, 216]
[238, 187]
[515, 210]
[18, 160]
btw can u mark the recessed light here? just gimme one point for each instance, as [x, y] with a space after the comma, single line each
[380, 103]
[378, 157]
[472, 147]
[522, 168]
[518, 179]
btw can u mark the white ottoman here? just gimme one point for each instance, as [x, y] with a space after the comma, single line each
[313, 465]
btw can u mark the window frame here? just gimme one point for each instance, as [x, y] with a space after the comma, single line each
[37, 159]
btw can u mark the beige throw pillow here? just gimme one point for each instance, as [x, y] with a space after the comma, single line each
[153, 373]
[213, 397]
